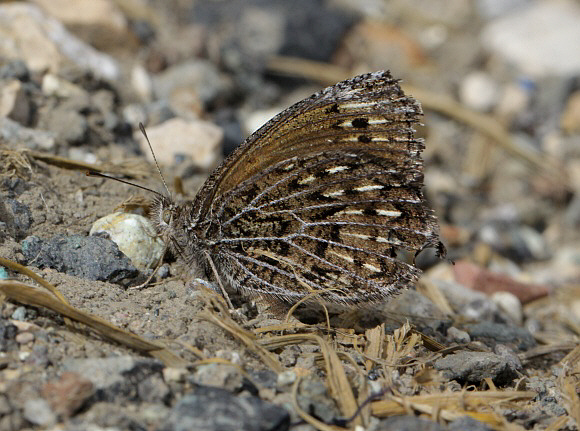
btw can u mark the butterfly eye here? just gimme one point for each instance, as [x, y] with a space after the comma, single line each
[166, 216]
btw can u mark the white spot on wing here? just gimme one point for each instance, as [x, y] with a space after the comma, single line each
[355, 105]
[336, 169]
[351, 212]
[333, 194]
[356, 235]
[371, 267]
[307, 180]
[342, 256]
[388, 213]
[369, 188]
[388, 241]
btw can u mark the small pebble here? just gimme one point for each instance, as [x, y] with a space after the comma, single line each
[286, 378]
[38, 412]
[479, 91]
[135, 237]
[172, 374]
[24, 338]
[19, 314]
[163, 271]
[229, 355]
[458, 335]
[510, 305]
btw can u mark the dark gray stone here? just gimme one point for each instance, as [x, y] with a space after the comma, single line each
[15, 69]
[519, 243]
[314, 399]
[468, 423]
[8, 333]
[92, 257]
[154, 390]
[326, 28]
[264, 378]
[408, 423]
[249, 47]
[16, 216]
[215, 409]
[418, 310]
[509, 355]
[228, 120]
[159, 112]
[473, 367]
[492, 333]
[122, 378]
[14, 186]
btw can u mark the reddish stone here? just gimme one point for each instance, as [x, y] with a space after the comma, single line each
[481, 279]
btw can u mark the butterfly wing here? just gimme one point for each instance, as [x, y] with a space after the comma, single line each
[323, 197]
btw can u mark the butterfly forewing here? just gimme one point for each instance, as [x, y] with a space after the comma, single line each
[322, 198]
[367, 112]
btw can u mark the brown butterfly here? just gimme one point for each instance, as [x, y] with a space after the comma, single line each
[319, 202]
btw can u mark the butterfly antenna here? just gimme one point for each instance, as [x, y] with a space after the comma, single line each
[142, 128]
[98, 174]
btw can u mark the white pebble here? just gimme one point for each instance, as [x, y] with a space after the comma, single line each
[286, 378]
[510, 305]
[479, 91]
[134, 236]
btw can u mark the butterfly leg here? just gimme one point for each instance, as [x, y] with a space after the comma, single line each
[219, 281]
[146, 282]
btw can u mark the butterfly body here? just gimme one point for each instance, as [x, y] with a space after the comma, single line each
[319, 202]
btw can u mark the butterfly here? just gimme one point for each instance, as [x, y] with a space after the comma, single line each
[317, 204]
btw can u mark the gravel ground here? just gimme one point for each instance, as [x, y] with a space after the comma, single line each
[499, 320]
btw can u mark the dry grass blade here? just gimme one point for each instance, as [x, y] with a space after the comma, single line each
[487, 126]
[558, 424]
[25, 271]
[131, 169]
[63, 162]
[29, 295]
[569, 381]
[398, 346]
[282, 327]
[433, 345]
[338, 383]
[375, 345]
[450, 405]
[401, 344]
[431, 291]
[225, 322]
[15, 163]
[546, 350]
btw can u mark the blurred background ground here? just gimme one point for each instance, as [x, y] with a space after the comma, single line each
[499, 83]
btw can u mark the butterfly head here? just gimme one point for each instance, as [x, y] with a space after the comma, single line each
[163, 214]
